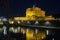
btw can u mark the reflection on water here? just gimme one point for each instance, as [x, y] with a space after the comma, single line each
[47, 32]
[20, 33]
[17, 32]
[4, 30]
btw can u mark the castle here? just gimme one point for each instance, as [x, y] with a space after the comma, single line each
[35, 13]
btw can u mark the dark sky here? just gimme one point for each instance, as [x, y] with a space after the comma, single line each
[17, 7]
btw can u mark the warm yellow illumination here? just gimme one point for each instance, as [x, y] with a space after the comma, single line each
[19, 29]
[23, 30]
[49, 18]
[21, 18]
[31, 35]
[11, 29]
[11, 22]
[35, 12]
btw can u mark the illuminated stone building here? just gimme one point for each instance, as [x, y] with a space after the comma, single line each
[35, 13]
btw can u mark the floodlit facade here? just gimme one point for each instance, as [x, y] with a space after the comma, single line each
[35, 13]
[49, 18]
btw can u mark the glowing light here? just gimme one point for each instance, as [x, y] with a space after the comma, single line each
[4, 30]
[47, 23]
[23, 30]
[15, 31]
[18, 22]
[4, 19]
[36, 30]
[36, 22]
[11, 22]
[28, 22]
[53, 39]
[47, 32]
[27, 30]
[11, 29]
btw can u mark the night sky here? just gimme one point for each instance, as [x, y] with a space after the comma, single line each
[17, 7]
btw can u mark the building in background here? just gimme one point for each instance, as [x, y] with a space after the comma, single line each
[35, 13]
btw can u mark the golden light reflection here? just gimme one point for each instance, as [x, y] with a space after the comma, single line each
[31, 35]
